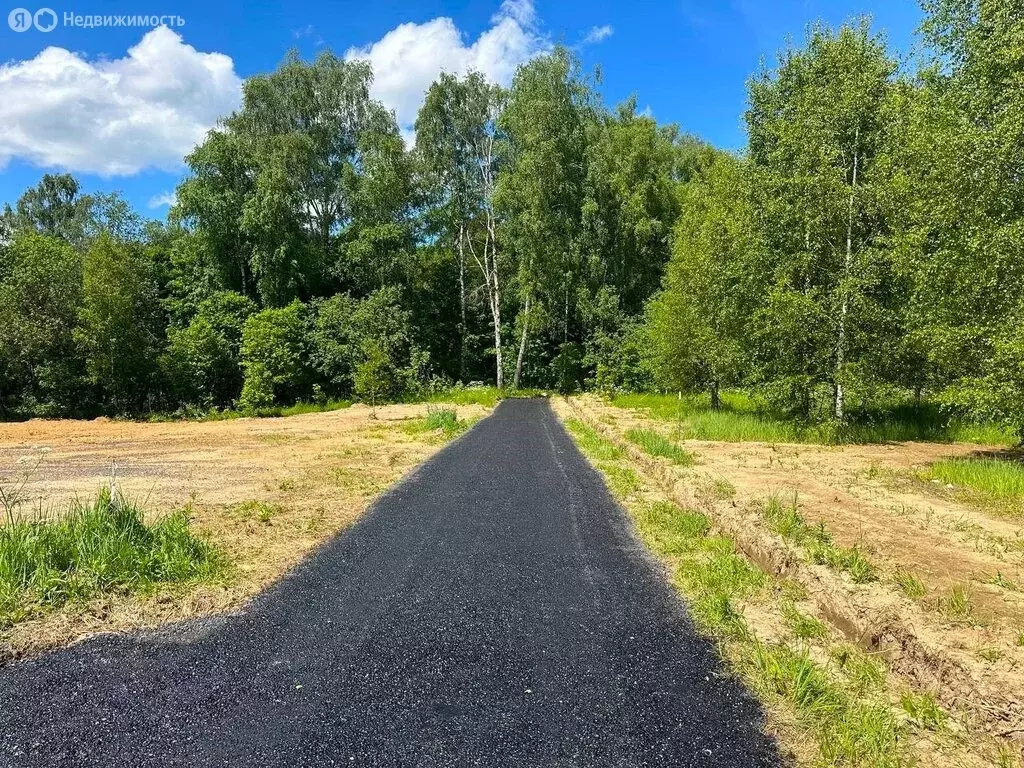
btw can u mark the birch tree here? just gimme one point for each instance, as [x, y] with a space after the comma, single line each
[458, 143]
[815, 128]
[541, 195]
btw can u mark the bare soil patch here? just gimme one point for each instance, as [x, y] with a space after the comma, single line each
[266, 491]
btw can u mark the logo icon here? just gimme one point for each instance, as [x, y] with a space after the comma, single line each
[45, 19]
[20, 19]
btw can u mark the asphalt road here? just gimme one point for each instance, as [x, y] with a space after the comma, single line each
[493, 609]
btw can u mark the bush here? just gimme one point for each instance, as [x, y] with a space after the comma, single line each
[199, 366]
[273, 357]
[366, 347]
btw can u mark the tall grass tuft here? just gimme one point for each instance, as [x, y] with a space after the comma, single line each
[998, 479]
[96, 548]
[445, 419]
[655, 444]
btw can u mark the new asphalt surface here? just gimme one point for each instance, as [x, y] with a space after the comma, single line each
[493, 609]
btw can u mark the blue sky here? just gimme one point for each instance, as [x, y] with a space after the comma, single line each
[119, 106]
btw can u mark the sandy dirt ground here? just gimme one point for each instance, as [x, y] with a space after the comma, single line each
[265, 490]
[866, 496]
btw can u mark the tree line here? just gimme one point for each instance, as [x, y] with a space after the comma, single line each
[865, 249]
[868, 246]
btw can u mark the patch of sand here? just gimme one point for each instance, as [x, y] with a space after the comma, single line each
[266, 491]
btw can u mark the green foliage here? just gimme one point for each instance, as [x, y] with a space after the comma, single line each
[95, 548]
[695, 322]
[273, 357]
[40, 295]
[567, 367]
[120, 321]
[376, 378]
[366, 347]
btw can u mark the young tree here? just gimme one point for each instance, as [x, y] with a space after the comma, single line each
[815, 127]
[541, 195]
[121, 322]
[696, 325]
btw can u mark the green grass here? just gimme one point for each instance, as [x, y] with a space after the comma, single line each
[802, 626]
[995, 479]
[743, 419]
[445, 419]
[655, 444]
[923, 710]
[849, 730]
[785, 520]
[623, 482]
[958, 605]
[93, 549]
[863, 672]
[260, 511]
[485, 396]
[440, 420]
[909, 584]
[737, 421]
[591, 442]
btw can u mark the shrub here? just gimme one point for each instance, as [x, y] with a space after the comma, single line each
[273, 357]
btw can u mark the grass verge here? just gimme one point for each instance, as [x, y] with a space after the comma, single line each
[94, 549]
[655, 444]
[827, 701]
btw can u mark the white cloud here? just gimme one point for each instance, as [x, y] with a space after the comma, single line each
[114, 117]
[167, 199]
[411, 56]
[597, 34]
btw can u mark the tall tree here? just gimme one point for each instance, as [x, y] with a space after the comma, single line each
[541, 195]
[306, 188]
[457, 140]
[815, 126]
[964, 204]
